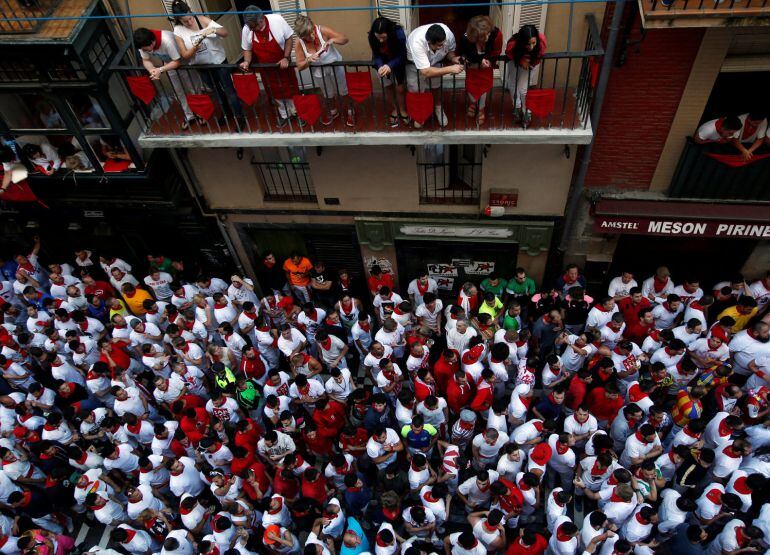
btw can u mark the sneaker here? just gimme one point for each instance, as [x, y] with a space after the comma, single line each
[667, 3]
[329, 117]
[350, 120]
[440, 116]
[417, 125]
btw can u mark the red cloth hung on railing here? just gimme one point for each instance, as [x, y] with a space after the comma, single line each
[141, 87]
[736, 160]
[113, 165]
[541, 101]
[246, 87]
[201, 105]
[20, 192]
[308, 107]
[419, 106]
[478, 81]
[359, 85]
[593, 71]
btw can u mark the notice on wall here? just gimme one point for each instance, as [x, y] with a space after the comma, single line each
[477, 268]
[442, 270]
[444, 283]
[383, 263]
[461, 262]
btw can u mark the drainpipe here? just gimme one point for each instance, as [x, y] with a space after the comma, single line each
[576, 191]
[189, 179]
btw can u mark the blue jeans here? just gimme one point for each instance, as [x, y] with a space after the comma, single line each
[220, 80]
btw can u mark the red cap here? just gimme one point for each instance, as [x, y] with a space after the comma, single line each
[541, 454]
[472, 356]
[719, 333]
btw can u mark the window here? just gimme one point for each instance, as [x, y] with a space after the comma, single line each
[29, 111]
[88, 111]
[284, 174]
[100, 52]
[449, 174]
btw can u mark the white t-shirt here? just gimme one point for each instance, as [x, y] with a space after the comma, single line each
[287, 346]
[430, 318]
[211, 49]
[376, 449]
[160, 286]
[279, 30]
[418, 50]
[619, 289]
[708, 132]
[414, 291]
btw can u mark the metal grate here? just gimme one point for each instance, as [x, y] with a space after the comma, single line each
[449, 174]
[101, 52]
[19, 70]
[286, 181]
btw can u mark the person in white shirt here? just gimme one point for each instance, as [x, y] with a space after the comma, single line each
[657, 287]
[760, 289]
[429, 313]
[427, 47]
[689, 331]
[748, 345]
[460, 336]
[621, 286]
[291, 341]
[667, 312]
[486, 447]
[419, 286]
[564, 540]
[601, 313]
[159, 283]
[383, 447]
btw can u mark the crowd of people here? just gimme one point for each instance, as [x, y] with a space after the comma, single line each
[309, 413]
[415, 62]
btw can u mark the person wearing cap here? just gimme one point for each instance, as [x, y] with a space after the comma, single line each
[267, 39]
[280, 540]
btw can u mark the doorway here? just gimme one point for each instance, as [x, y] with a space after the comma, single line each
[456, 262]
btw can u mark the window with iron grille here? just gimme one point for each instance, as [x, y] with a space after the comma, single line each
[449, 174]
[100, 52]
[285, 174]
[13, 71]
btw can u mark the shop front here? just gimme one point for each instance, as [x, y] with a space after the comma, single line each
[454, 252]
[708, 241]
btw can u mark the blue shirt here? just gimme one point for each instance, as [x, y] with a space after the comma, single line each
[354, 526]
[419, 440]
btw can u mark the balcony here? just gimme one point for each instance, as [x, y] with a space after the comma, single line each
[704, 13]
[16, 12]
[566, 79]
[699, 176]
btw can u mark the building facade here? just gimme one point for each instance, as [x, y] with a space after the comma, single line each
[650, 185]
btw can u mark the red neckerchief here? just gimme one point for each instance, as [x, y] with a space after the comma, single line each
[555, 495]
[380, 541]
[615, 499]
[422, 290]
[741, 538]
[50, 428]
[730, 452]
[561, 448]
[688, 432]
[561, 536]
[218, 305]
[715, 496]
[568, 281]
[596, 469]
[488, 527]
[640, 519]
[83, 325]
[659, 284]
[741, 487]
[523, 486]
[601, 308]
[635, 393]
[640, 437]
[724, 430]
[158, 38]
[326, 344]
[391, 514]
[538, 425]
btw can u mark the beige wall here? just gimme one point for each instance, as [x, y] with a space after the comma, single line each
[354, 24]
[384, 178]
[139, 7]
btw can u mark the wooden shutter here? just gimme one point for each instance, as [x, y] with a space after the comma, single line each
[287, 9]
[407, 18]
[195, 6]
[530, 12]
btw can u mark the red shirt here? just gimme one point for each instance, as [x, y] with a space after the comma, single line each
[260, 475]
[443, 372]
[320, 445]
[458, 397]
[195, 428]
[238, 464]
[119, 355]
[601, 407]
[315, 490]
[629, 310]
[576, 393]
[288, 488]
[330, 420]
[637, 332]
[101, 289]
[355, 445]
[249, 439]
[537, 548]
[376, 282]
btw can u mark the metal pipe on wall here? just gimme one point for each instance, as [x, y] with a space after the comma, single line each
[576, 191]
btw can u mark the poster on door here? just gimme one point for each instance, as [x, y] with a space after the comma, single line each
[477, 268]
[444, 283]
[442, 270]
